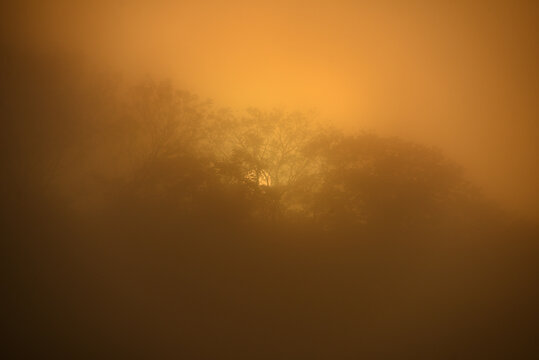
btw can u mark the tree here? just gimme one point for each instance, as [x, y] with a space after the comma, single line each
[378, 181]
[267, 149]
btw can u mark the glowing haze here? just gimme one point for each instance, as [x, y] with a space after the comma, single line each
[460, 75]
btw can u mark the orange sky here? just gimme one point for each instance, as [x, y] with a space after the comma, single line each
[461, 75]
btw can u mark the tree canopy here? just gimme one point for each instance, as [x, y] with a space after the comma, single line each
[143, 221]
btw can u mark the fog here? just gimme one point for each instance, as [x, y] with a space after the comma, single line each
[270, 179]
[461, 76]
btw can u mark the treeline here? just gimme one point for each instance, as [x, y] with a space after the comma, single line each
[90, 139]
[144, 221]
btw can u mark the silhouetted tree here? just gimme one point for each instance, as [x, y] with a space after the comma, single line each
[145, 222]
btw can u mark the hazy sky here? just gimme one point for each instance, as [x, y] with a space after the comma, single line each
[461, 75]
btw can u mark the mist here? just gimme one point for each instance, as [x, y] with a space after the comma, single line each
[270, 179]
[459, 76]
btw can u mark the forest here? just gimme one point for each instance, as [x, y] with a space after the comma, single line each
[143, 221]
